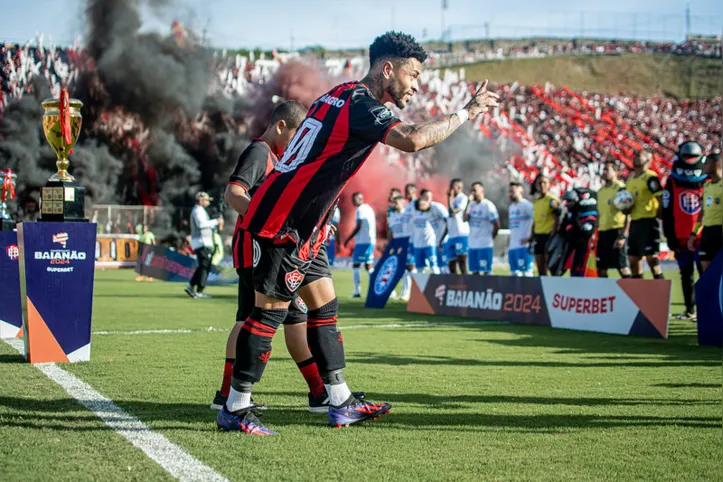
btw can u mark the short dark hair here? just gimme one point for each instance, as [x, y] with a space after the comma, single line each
[357, 194]
[423, 192]
[455, 181]
[291, 111]
[397, 198]
[410, 185]
[395, 45]
[515, 184]
[480, 184]
[395, 189]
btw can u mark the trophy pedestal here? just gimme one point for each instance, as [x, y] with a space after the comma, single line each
[57, 269]
[11, 312]
[62, 202]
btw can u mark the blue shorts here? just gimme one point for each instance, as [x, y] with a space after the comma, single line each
[410, 254]
[456, 246]
[425, 257]
[520, 260]
[442, 254]
[363, 254]
[480, 260]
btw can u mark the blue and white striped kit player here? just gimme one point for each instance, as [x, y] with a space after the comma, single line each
[520, 258]
[458, 229]
[482, 217]
[427, 226]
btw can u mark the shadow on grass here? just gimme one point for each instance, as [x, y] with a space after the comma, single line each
[11, 359]
[690, 385]
[53, 415]
[395, 360]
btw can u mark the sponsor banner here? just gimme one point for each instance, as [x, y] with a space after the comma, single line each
[11, 312]
[166, 264]
[625, 306]
[387, 273]
[709, 303]
[57, 272]
[116, 250]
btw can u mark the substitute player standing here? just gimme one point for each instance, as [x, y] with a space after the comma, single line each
[365, 239]
[521, 213]
[711, 218]
[458, 228]
[288, 217]
[644, 241]
[429, 222]
[614, 226]
[484, 224]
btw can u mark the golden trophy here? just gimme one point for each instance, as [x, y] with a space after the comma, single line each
[62, 199]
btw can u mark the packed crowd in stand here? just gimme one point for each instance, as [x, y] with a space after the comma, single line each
[536, 129]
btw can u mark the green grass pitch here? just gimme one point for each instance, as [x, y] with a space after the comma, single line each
[471, 402]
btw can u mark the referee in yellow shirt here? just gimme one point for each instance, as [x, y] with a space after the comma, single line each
[614, 226]
[644, 240]
[711, 217]
[545, 214]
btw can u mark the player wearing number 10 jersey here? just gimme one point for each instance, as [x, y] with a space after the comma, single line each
[287, 217]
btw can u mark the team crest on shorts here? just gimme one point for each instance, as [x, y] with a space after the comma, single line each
[256, 253]
[301, 305]
[293, 280]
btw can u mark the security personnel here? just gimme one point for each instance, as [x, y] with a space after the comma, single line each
[614, 226]
[711, 216]
[681, 207]
[644, 240]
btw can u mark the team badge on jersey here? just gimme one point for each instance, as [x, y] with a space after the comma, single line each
[381, 114]
[256, 252]
[690, 202]
[293, 280]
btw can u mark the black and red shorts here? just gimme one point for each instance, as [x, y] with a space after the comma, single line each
[244, 252]
[284, 267]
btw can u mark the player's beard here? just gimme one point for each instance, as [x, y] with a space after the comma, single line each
[397, 94]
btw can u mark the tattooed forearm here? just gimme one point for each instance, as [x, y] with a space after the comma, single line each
[415, 137]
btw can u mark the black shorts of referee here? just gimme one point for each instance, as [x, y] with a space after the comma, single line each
[711, 242]
[607, 255]
[644, 238]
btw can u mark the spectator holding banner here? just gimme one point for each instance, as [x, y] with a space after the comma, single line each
[521, 213]
[545, 220]
[614, 226]
[644, 241]
[365, 238]
[484, 224]
[710, 219]
[202, 228]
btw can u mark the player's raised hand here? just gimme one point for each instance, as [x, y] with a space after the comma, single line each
[481, 101]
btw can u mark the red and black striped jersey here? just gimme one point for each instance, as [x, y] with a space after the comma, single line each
[339, 133]
[252, 167]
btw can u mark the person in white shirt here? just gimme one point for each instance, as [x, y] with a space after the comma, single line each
[484, 224]
[365, 238]
[457, 245]
[429, 224]
[202, 228]
[520, 213]
[331, 237]
[399, 227]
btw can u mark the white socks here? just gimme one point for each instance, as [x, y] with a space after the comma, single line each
[338, 394]
[405, 284]
[238, 400]
[357, 280]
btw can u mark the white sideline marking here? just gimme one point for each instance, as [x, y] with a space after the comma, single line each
[174, 460]
[351, 327]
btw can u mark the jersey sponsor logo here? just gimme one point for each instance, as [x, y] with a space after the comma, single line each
[332, 101]
[381, 114]
[690, 202]
[386, 274]
[13, 252]
[256, 253]
[293, 280]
